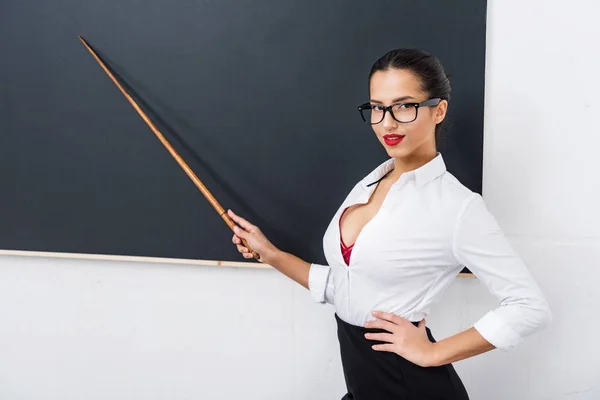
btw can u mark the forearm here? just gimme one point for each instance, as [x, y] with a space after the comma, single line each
[291, 266]
[463, 345]
[286, 263]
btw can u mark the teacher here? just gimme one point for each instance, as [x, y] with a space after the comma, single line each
[398, 241]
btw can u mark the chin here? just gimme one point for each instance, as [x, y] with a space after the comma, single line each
[398, 152]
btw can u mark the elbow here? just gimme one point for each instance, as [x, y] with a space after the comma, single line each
[508, 325]
[537, 315]
[528, 318]
[544, 315]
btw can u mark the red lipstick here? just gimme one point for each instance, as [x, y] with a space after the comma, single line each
[392, 139]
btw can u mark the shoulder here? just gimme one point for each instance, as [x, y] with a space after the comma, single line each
[454, 191]
[453, 201]
[468, 206]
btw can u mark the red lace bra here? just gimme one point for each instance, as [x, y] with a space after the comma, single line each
[346, 250]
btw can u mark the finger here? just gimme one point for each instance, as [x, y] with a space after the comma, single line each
[382, 337]
[382, 324]
[241, 233]
[242, 249]
[236, 239]
[389, 317]
[240, 221]
[384, 347]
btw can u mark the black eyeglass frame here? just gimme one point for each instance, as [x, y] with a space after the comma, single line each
[368, 106]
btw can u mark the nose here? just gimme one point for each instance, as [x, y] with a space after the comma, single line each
[389, 122]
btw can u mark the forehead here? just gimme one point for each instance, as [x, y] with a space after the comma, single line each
[394, 83]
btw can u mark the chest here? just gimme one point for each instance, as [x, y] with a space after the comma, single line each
[400, 230]
[355, 217]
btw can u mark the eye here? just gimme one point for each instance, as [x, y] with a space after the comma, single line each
[404, 106]
[377, 107]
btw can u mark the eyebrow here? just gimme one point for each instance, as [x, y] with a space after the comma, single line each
[395, 100]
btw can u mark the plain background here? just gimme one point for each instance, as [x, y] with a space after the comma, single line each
[74, 329]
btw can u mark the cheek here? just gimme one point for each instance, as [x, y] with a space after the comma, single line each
[379, 130]
[415, 131]
[421, 128]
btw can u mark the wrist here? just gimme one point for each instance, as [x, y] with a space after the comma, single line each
[437, 354]
[435, 359]
[272, 256]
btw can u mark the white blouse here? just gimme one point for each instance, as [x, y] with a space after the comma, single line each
[429, 227]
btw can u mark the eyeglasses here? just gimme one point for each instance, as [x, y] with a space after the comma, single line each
[402, 112]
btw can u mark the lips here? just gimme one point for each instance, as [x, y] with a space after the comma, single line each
[392, 139]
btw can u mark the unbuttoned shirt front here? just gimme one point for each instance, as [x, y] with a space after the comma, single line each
[429, 227]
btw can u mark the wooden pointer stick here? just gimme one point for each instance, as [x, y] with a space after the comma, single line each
[211, 199]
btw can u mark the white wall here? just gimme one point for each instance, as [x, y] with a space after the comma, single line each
[541, 180]
[74, 329]
[113, 330]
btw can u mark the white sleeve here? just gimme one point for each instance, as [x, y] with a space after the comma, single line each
[320, 283]
[481, 246]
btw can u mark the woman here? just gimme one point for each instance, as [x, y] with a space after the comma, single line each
[398, 241]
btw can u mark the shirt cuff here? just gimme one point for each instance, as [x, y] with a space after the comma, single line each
[318, 275]
[493, 328]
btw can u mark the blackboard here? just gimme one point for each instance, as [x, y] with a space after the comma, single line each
[259, 97]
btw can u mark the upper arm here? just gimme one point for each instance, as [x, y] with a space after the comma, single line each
[481, 246]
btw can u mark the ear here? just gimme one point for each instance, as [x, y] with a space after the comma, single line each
[440, 111]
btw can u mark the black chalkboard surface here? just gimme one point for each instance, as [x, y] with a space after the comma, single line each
[259, 98]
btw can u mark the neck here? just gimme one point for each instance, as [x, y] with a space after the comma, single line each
[411, 162]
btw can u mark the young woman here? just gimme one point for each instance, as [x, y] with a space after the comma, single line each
[399, 240]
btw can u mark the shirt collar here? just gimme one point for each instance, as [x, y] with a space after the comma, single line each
[422, 175]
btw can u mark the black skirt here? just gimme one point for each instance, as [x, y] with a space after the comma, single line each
[378, 375]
